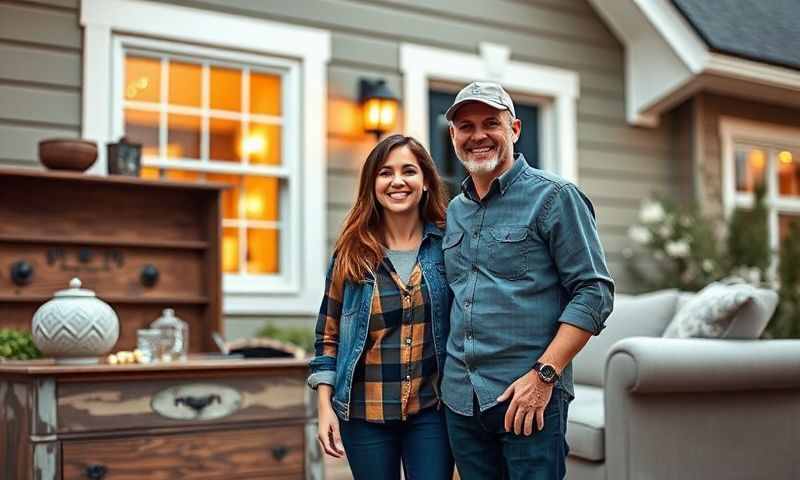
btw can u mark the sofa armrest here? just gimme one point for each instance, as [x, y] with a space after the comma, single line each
[664, 365]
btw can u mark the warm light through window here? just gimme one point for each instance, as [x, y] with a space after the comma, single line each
[785, 157]
[756, 159]
[254, 144]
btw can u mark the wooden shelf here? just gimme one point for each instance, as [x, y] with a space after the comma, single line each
[112, 299]
[88, 241]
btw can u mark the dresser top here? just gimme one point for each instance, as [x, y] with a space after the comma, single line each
[50, 367]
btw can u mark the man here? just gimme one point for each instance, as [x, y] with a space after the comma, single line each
[530, 287]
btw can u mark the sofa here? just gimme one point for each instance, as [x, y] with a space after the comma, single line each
[654, 408]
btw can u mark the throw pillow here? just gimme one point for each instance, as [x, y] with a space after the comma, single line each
[709, 314]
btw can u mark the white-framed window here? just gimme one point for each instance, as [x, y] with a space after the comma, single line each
[555, 91]
[754, 153]
[224, 98]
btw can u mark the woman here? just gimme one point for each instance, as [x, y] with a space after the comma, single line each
[383, 323]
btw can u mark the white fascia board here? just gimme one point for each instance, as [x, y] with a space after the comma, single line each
[195, 25]
[663, 53]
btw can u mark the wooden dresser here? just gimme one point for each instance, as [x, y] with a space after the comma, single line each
[142, 246]
[203, 419]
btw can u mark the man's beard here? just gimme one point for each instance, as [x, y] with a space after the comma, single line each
[481, 167]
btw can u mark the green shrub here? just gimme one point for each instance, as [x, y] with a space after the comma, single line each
[302, 337]
[17, 345]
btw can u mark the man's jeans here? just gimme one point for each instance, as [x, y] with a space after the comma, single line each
[375, 450]
[484, 450]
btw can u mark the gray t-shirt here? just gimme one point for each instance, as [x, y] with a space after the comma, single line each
[403, 262]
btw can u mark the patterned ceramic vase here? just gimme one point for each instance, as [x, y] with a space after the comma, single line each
[75, 326]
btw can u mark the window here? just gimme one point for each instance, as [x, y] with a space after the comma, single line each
[204, 119]
[228, 98]
[552, 92]
[769, 155]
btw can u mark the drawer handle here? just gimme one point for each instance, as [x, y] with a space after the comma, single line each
[278, 453]
[198, 403]
[96, 472]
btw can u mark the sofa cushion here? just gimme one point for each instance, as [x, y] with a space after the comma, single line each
[634, 315]
[723, 311]
[586, 424]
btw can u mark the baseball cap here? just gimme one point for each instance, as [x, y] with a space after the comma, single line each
[490, 93]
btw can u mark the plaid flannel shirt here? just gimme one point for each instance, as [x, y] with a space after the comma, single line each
[397, 375]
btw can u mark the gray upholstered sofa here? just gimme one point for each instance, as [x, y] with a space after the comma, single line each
[660, 408]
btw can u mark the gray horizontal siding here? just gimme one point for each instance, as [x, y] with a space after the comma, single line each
[40, 76]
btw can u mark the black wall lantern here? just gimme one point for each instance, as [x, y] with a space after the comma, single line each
[379, 106]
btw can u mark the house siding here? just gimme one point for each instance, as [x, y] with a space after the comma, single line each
[618, 164]
[40, 76]
[710, 108]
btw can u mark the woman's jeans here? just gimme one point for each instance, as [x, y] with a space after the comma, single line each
[485, 451]
[376, 450]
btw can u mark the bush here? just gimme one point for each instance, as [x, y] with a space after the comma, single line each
[17, 345]
[302, 337]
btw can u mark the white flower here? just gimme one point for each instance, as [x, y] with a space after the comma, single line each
[665, 230]
[640, 234]
[678, 249]
[708, 266]
[651, 212]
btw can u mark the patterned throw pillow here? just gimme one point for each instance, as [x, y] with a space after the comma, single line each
[709, 313]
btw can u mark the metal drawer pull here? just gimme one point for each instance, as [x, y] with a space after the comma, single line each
[279, 452]
[198, 403]
[96, 472]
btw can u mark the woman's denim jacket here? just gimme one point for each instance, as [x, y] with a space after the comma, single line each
[354, 323]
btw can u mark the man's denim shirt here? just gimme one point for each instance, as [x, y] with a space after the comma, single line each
[520, 262]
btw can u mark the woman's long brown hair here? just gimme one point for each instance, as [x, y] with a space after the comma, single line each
[359, 249]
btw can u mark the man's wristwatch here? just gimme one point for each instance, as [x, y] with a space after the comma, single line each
[547, 373]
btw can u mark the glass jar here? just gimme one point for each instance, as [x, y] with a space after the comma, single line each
[174, 336]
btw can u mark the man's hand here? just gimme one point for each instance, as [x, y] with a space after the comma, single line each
[529, 397]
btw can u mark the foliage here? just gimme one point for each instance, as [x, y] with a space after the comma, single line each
[681, 249]
[786, 322]
[17, 345]
[748, 236]
[302, 337]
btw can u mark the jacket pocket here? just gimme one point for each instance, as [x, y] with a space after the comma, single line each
[508, 251]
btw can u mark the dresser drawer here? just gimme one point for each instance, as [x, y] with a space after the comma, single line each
[139, 404]
[275, 452]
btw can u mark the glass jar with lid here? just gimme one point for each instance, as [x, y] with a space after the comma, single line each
[174, 336]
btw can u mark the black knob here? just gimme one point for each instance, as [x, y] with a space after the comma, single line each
[96, 472]
[279, 452]
[21, 273]
[149, 276]
[198, 403]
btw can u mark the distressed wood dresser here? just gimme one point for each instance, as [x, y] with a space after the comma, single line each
[209, 419]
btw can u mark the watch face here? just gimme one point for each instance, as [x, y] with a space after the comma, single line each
[548, 373]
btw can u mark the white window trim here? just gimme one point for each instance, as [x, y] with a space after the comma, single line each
[558, 127]
[105, 20]
[733, 131]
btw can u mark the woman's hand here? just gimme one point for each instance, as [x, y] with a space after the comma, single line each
[328, 434]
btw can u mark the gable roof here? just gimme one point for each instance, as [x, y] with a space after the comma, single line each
[764, 31]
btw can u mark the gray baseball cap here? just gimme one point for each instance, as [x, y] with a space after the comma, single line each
[490, 93]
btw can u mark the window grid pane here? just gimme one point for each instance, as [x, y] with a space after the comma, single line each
[200, 113]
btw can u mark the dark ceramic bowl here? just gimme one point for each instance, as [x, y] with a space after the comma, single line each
[67, 154]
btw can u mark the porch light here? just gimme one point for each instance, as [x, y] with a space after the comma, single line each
[379, 106]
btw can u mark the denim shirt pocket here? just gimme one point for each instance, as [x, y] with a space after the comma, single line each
[508, 251]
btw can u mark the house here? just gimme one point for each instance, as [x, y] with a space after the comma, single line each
[627, 98]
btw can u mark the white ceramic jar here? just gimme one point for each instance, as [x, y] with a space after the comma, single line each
[75, 326]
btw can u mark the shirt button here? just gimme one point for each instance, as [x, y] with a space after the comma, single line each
[474, 268]
[408, 378]
[467, 303]
[475, 235]
[469, 337]
[408, 341]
